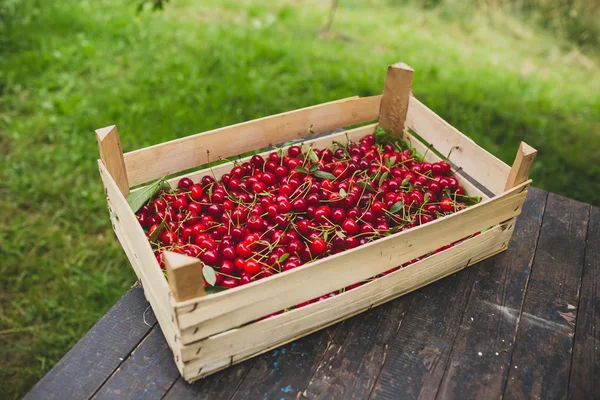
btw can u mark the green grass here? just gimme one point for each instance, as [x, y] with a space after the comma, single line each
[69, 67]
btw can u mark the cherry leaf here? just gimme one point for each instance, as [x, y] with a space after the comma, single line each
[159, 228]
[396, 207]
[343, 193]
[209, 275]
[312, 155]
[213, 289]
[284, 257]
[138, 198]
[382, 179]
[323, 175]
[313, 167]
[301, 169]
[364, 185]
[340, 234]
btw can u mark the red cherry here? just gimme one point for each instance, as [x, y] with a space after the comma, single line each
[318, 246]
[185, 183]
[447, 204]
[210, 257]
[168, 237]
[351, 227]
[230, 283]
[251, 267]
[242, 250]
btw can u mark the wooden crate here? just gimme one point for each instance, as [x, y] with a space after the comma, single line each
[209, 333]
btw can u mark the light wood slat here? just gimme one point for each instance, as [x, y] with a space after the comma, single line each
[184, 275]
[177, 155]
[140, 255]
[111, 155]
[394, 101]
[237, 345]
[521, 167]
[222, 311]
[474, 160]
[409, 278]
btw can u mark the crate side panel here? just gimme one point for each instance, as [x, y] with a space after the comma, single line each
[474, 160]
[225, 310]
[171, 157]
[398, 283]
[322, 314]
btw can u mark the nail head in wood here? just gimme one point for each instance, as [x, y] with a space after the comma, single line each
[185, 275]
[111, 155]
[396, 95]
[521, 167]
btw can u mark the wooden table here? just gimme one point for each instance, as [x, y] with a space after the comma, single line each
[522, 324]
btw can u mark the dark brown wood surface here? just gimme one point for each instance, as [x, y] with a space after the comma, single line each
[522, 324]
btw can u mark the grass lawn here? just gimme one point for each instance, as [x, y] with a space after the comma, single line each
[68, 67]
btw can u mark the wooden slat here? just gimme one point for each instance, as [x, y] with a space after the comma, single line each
[544, 342]
[81, 372]
[147, 374]
[318, 143]
[252, 338]
[221, 386]
[185, 275]
[521, 167]
[394, 101]
[489, 322]
[111, 155]
[416, 360]
[140, 255]
[584, 382]
[171, 157]
[356, 354]
[284, 372]
[488, 170]
[431, 157]
[254, 300]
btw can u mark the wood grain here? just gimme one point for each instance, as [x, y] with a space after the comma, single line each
[521, 167]
[542, 355]
[185, 275]
[394, 101]
[490, 319]
[584, 380]
[357, 352]
[111, 155]
[84, 369]
[148, 373]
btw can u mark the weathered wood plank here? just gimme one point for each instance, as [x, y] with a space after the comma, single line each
[284, 372]
[219, 386]
[148, 373]
[584, 381]
[478, 364]
[416, 360]
[357, 352]
[542, 355]
[93, 359]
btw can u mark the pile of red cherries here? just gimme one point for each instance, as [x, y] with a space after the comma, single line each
[276, 213]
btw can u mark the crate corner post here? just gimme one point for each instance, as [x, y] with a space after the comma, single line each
[185, 276]
[395, 98]
[521, 167]
[111, 155]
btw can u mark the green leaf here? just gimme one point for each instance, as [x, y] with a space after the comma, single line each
[209, 275]
[340, 145]
[383, 176]
[280, 152]
[396, 207]
[389, 162]
[160, 227]
[426, 198]
[284, 257]
[214, 289]
[312, 155]
[138, 198]
[405, 182]
[313, 167]
[364, 185]
[323, 175]
[340, 234]
[301, 169]
[343, 194]
[326, 235]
